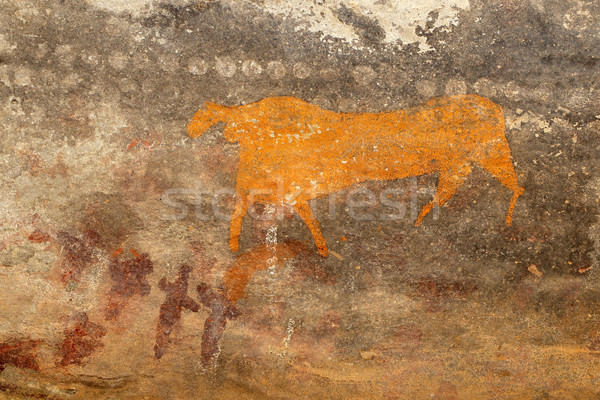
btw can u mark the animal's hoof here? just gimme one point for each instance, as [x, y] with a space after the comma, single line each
[323, 251]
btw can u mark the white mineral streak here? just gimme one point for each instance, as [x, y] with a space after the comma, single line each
[121, 5]
[397, 18]
[271, 241]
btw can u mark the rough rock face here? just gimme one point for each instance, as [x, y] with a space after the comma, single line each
[117, 279]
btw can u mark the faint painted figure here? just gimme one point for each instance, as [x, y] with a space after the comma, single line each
[82, 338]
[77, 254]
[292, 151]
[246, 264]
[19, 353]
[221, 310]
[130, 277]
[170, 311]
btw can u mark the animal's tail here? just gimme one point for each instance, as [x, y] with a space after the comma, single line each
[497, 160]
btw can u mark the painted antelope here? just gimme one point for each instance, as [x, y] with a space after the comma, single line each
[292, 151]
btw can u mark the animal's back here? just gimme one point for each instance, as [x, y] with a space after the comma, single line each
[440, 119]
[293, 131]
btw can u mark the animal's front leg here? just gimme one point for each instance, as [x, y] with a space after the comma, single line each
[448, 184]
[305, 212]
[241, 208]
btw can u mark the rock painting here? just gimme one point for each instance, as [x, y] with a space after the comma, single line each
[256, 259]
[82, 338]
[77, 253]
[292, 151]
[254, 274]
[222, 300]
[19, 353]
[170, 311]
[221, 310]
[129, 278]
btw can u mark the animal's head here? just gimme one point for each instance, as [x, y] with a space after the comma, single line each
[185, 271]
[209, 115]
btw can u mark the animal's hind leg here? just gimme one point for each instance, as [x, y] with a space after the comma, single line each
[513, 200]
[241, 208]
[305, 212]
[449, 182]
[500, 165]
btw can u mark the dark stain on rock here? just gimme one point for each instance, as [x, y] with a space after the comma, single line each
[365, 27]
[594, 344]
[309, 265]
[392, 255]
[104, 382]
[446, 391]
[558, 302]
[82, 338]
[24, 393]
[77, 254]
[328, 324]
[439, 288]
[221, 309]
[110, 216]
[533, 233]
[430, 31]
[409, 334]
[130, 277]
[19, 353]
[170, 311]
[179, 17]
[429, 24]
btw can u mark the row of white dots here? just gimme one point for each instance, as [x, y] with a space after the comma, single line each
[228, 68]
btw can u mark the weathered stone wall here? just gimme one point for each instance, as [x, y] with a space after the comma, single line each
[100, 185]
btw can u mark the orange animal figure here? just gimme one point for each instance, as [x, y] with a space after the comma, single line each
[292, 151]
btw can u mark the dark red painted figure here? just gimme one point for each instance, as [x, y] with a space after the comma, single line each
[82, 338]
[170, 311]
[129, 277]
[19, 353]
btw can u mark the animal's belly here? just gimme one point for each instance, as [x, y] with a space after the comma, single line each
[281, 178]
